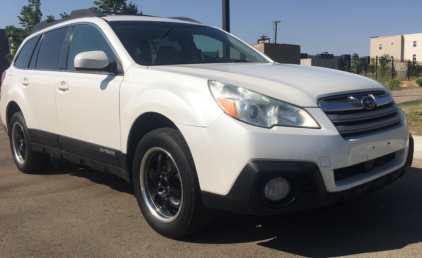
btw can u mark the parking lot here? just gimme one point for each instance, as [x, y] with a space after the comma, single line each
[73, 211]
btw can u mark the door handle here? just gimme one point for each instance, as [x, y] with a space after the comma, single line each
[62, 86]
[25, 81]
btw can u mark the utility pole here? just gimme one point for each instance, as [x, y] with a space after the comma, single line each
[275, 31]
[392, 68]
[226, 15]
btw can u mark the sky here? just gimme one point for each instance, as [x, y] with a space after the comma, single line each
[336, 26]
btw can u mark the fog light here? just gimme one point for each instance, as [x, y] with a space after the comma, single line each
[277, 189]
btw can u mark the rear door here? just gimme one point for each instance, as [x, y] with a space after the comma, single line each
[37, 79]
[88, 102]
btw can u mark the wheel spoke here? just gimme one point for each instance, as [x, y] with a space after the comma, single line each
[153, 175]
[171, 173]
[175, 193]
[23, 151]
[175, 205]
[20, 134]
[160, 164]
[153, 192]
[166, 205]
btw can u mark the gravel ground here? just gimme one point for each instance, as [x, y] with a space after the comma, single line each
[73, 211]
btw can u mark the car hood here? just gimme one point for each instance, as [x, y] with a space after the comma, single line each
[296, 84]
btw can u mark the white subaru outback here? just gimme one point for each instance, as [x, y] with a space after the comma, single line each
[197, 120]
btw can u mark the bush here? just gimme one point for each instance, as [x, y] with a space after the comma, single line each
[419, 81]
[395, 84]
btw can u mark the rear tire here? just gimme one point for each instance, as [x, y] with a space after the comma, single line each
[166, 184]
[26, 160]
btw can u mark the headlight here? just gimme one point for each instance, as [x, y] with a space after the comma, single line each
[260, 110]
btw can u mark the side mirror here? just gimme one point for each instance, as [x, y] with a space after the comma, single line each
[91, 61]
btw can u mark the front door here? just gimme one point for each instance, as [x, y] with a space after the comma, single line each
[88, 102]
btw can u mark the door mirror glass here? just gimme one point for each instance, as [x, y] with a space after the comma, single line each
[92, 61]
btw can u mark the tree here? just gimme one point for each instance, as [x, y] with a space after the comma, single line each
[118, 6]
[356, 64]
[384, 68]
[30, 15]
[64, 15]
[414, 69]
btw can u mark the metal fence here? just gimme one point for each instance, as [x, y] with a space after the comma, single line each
[386, 68]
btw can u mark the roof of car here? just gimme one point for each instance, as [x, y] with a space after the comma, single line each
[88, 13]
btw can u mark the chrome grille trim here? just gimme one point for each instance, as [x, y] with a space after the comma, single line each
[348, 102]
[352, 120]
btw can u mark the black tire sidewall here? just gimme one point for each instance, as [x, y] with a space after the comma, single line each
[171, 141]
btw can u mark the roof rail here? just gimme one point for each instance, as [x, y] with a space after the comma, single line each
[176, 18]
[134, 14]
[185, 19]
[82, 13]
[73, 15]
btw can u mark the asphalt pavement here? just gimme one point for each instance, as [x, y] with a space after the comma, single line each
[74, 211]
[407, 95]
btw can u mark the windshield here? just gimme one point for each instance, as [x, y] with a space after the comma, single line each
[164, 43]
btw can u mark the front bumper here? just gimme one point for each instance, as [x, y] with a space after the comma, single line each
[308, 187]
[222, 150]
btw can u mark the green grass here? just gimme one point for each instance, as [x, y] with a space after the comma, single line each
[413, 111]
[395, 84]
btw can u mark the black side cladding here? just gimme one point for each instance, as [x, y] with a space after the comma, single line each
[98, 157]
[82, 13]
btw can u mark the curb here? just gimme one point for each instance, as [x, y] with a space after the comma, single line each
[418, 147]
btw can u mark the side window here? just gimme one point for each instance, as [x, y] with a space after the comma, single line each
[25, 54]
[33, 61]
[87, 38]
[209, 48]
[212, 49]
[51, 49]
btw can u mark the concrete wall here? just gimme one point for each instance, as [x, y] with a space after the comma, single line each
[327, 63]
[410, 50]
[281, 53]
[4, 50]
[392, 46]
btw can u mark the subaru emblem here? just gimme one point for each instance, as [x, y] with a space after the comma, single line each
[368, 102]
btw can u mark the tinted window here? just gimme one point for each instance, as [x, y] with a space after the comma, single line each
[33, 61]
[26, 52]
[87, 38]
[51, 49]
[161, 43]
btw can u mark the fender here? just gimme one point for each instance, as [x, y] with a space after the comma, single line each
[183, 99]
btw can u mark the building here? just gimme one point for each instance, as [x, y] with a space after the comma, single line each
[326, 60]
[327, 63]
[281, 53]
[401, 47]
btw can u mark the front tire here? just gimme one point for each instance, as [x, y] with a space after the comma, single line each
[26, 160]
[166, 185]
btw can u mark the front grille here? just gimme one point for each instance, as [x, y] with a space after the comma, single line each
[363, 167]
[352, 120]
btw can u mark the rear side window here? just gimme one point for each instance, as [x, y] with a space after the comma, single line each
[51, 49]
[26, 52]
[33, 61]
[87, 38]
